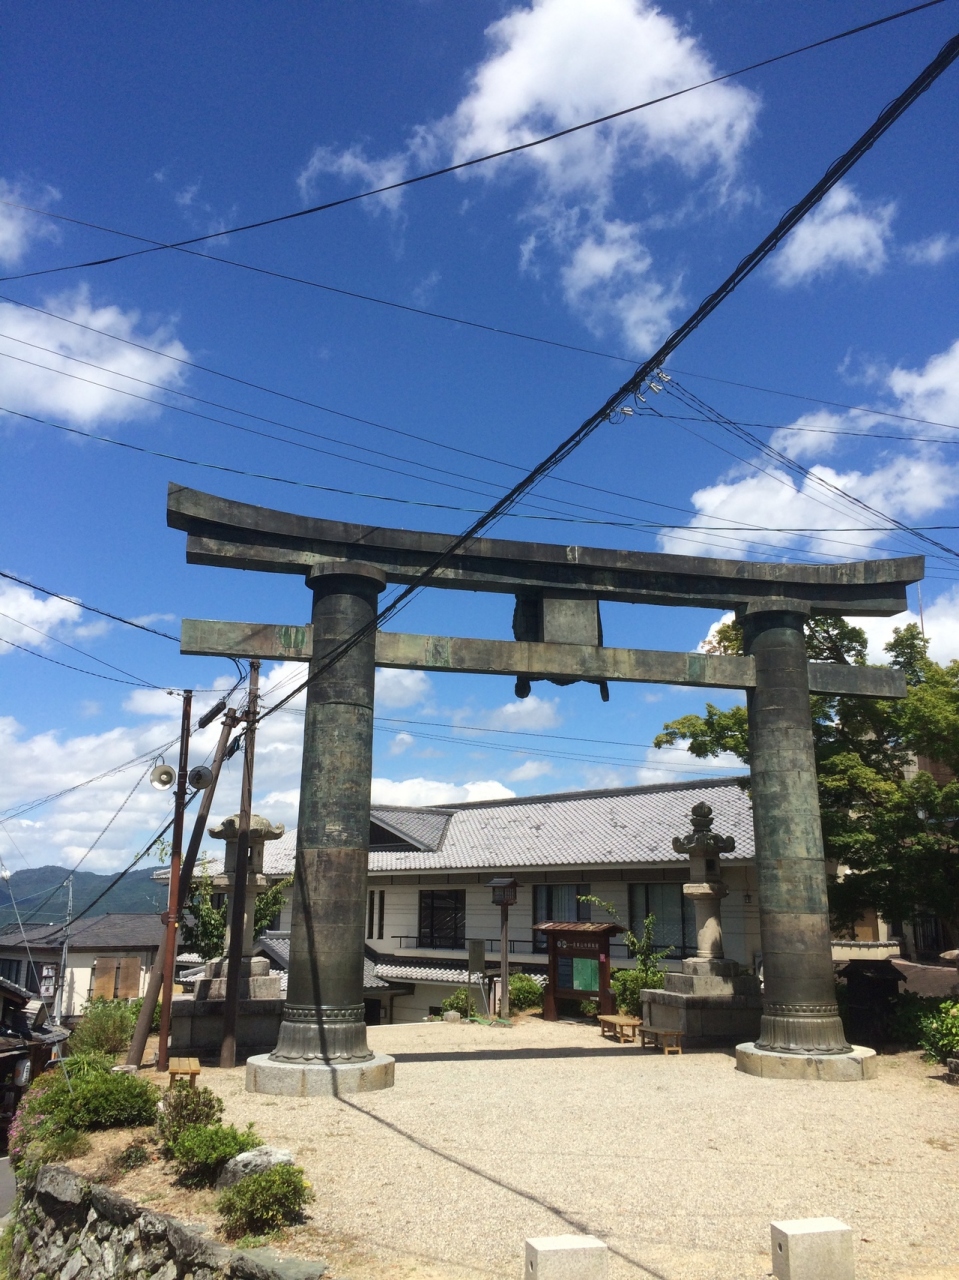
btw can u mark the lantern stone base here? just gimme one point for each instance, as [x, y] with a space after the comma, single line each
[318, 1079]
[859, 1064]
[196, 1026]
[710, 1001]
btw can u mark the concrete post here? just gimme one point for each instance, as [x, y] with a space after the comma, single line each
[812, 1249]
[323, 1020]
[800, 1015]
[566, 1258]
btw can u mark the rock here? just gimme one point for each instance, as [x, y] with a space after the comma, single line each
[452, 1016]
[256, 1161]
[260, 1264]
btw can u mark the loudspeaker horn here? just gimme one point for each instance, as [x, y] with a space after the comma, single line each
[200, 777]
[163, 777]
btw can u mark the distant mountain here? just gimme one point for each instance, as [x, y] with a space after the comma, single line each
[30, 888]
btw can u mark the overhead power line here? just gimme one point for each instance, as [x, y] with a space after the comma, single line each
[92, 656]
[45, 591]
[155, 246]
[633, 386]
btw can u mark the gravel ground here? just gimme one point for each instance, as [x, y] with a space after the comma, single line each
[494, 1134]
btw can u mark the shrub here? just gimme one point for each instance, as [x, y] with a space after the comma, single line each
[940, 1032]
[181, 1107]
[456, 1003]
[132, 1156]
[909, 1013]
[524, 992]
[105, 1100]
[136, 1005]
[627, 984]
[88, 1063]
[265, 1201]
[106, 1027]
[201, 1150]
[588, 1008]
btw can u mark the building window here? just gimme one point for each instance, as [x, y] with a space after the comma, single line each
[10, 969]
[443, 919]
[557, 903]
[381, 913]
[375, 912]
[674, 925]
[370, 906]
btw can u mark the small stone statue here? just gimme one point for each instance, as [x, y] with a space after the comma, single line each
[706, 889]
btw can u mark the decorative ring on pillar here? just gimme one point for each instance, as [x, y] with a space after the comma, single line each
[323, 1013]
[800, 1010]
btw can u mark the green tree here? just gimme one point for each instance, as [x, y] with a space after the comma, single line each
[897, 837]
[204, 929]
[268, 906]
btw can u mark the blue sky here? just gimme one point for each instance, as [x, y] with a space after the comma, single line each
[172, 122]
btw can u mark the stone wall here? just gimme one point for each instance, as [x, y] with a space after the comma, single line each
[69, 1229]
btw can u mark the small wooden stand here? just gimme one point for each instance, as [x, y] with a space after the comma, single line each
[184, 1067]
[620, 1026]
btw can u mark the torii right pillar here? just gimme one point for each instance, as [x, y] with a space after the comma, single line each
[801, 1035]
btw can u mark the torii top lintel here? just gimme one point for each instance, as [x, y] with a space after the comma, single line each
[239, 535]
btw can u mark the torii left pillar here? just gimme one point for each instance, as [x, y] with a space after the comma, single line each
[322, 1046]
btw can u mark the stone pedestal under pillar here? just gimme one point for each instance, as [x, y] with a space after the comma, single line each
[256, 981]
[711, 1001]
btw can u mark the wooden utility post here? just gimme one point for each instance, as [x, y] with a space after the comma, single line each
[152, 995]
[172, 913]
[240, 872]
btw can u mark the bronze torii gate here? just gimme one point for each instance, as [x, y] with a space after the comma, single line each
[559, 637]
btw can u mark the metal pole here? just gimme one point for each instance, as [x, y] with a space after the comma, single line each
[141, 1032]
[61, 985]
[176, 848]
[240, 872]
[504, 961]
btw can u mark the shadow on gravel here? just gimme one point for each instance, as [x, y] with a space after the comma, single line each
[570, 1051]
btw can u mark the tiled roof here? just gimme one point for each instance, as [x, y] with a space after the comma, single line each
[419, 973]
[422, 827]
[278, 950]
[116, 931]
[568, 829]
[585, 828]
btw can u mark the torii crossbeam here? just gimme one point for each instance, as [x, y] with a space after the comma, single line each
[558, 636]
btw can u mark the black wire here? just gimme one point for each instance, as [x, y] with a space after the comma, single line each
[156, 246]
[836, 171]
[92, 656]
[34, 653]
[45, 591]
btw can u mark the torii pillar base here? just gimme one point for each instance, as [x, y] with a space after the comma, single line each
[839, 1068]
[318, 1079]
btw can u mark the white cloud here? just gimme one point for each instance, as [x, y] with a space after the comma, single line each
[931, 392]
[932, 250]
[658, 761]
[46, 393]
[529, 770]
[18, 227]
[425, 791]
[34, 613]
[525, 713]
[841, 231]
[555, 63]
[941, 621]
[401, 688]
[402, 742]
[708, 642]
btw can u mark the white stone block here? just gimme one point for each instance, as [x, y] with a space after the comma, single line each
[566, 1258]
[812, 1249]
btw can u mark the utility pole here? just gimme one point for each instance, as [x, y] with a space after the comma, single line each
[172, 913]
[152, 995]
[61, 985]
[241, 870]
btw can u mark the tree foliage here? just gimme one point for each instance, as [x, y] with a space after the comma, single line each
[893, 830]
[204, 929]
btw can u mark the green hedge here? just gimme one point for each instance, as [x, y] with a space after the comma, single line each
[201, 1151]
[265, 1201]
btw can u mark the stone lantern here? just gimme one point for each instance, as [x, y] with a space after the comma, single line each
[705, 888]
[255, 980]
[711, 1000]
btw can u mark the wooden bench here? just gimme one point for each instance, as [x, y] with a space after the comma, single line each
[184, 1067]
[620, 1026]
[668, 1041]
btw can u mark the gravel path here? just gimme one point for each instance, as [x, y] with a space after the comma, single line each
[492, 1135]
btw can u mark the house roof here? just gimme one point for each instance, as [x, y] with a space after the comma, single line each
[278, 950]
[616, 826]
[116, 931]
